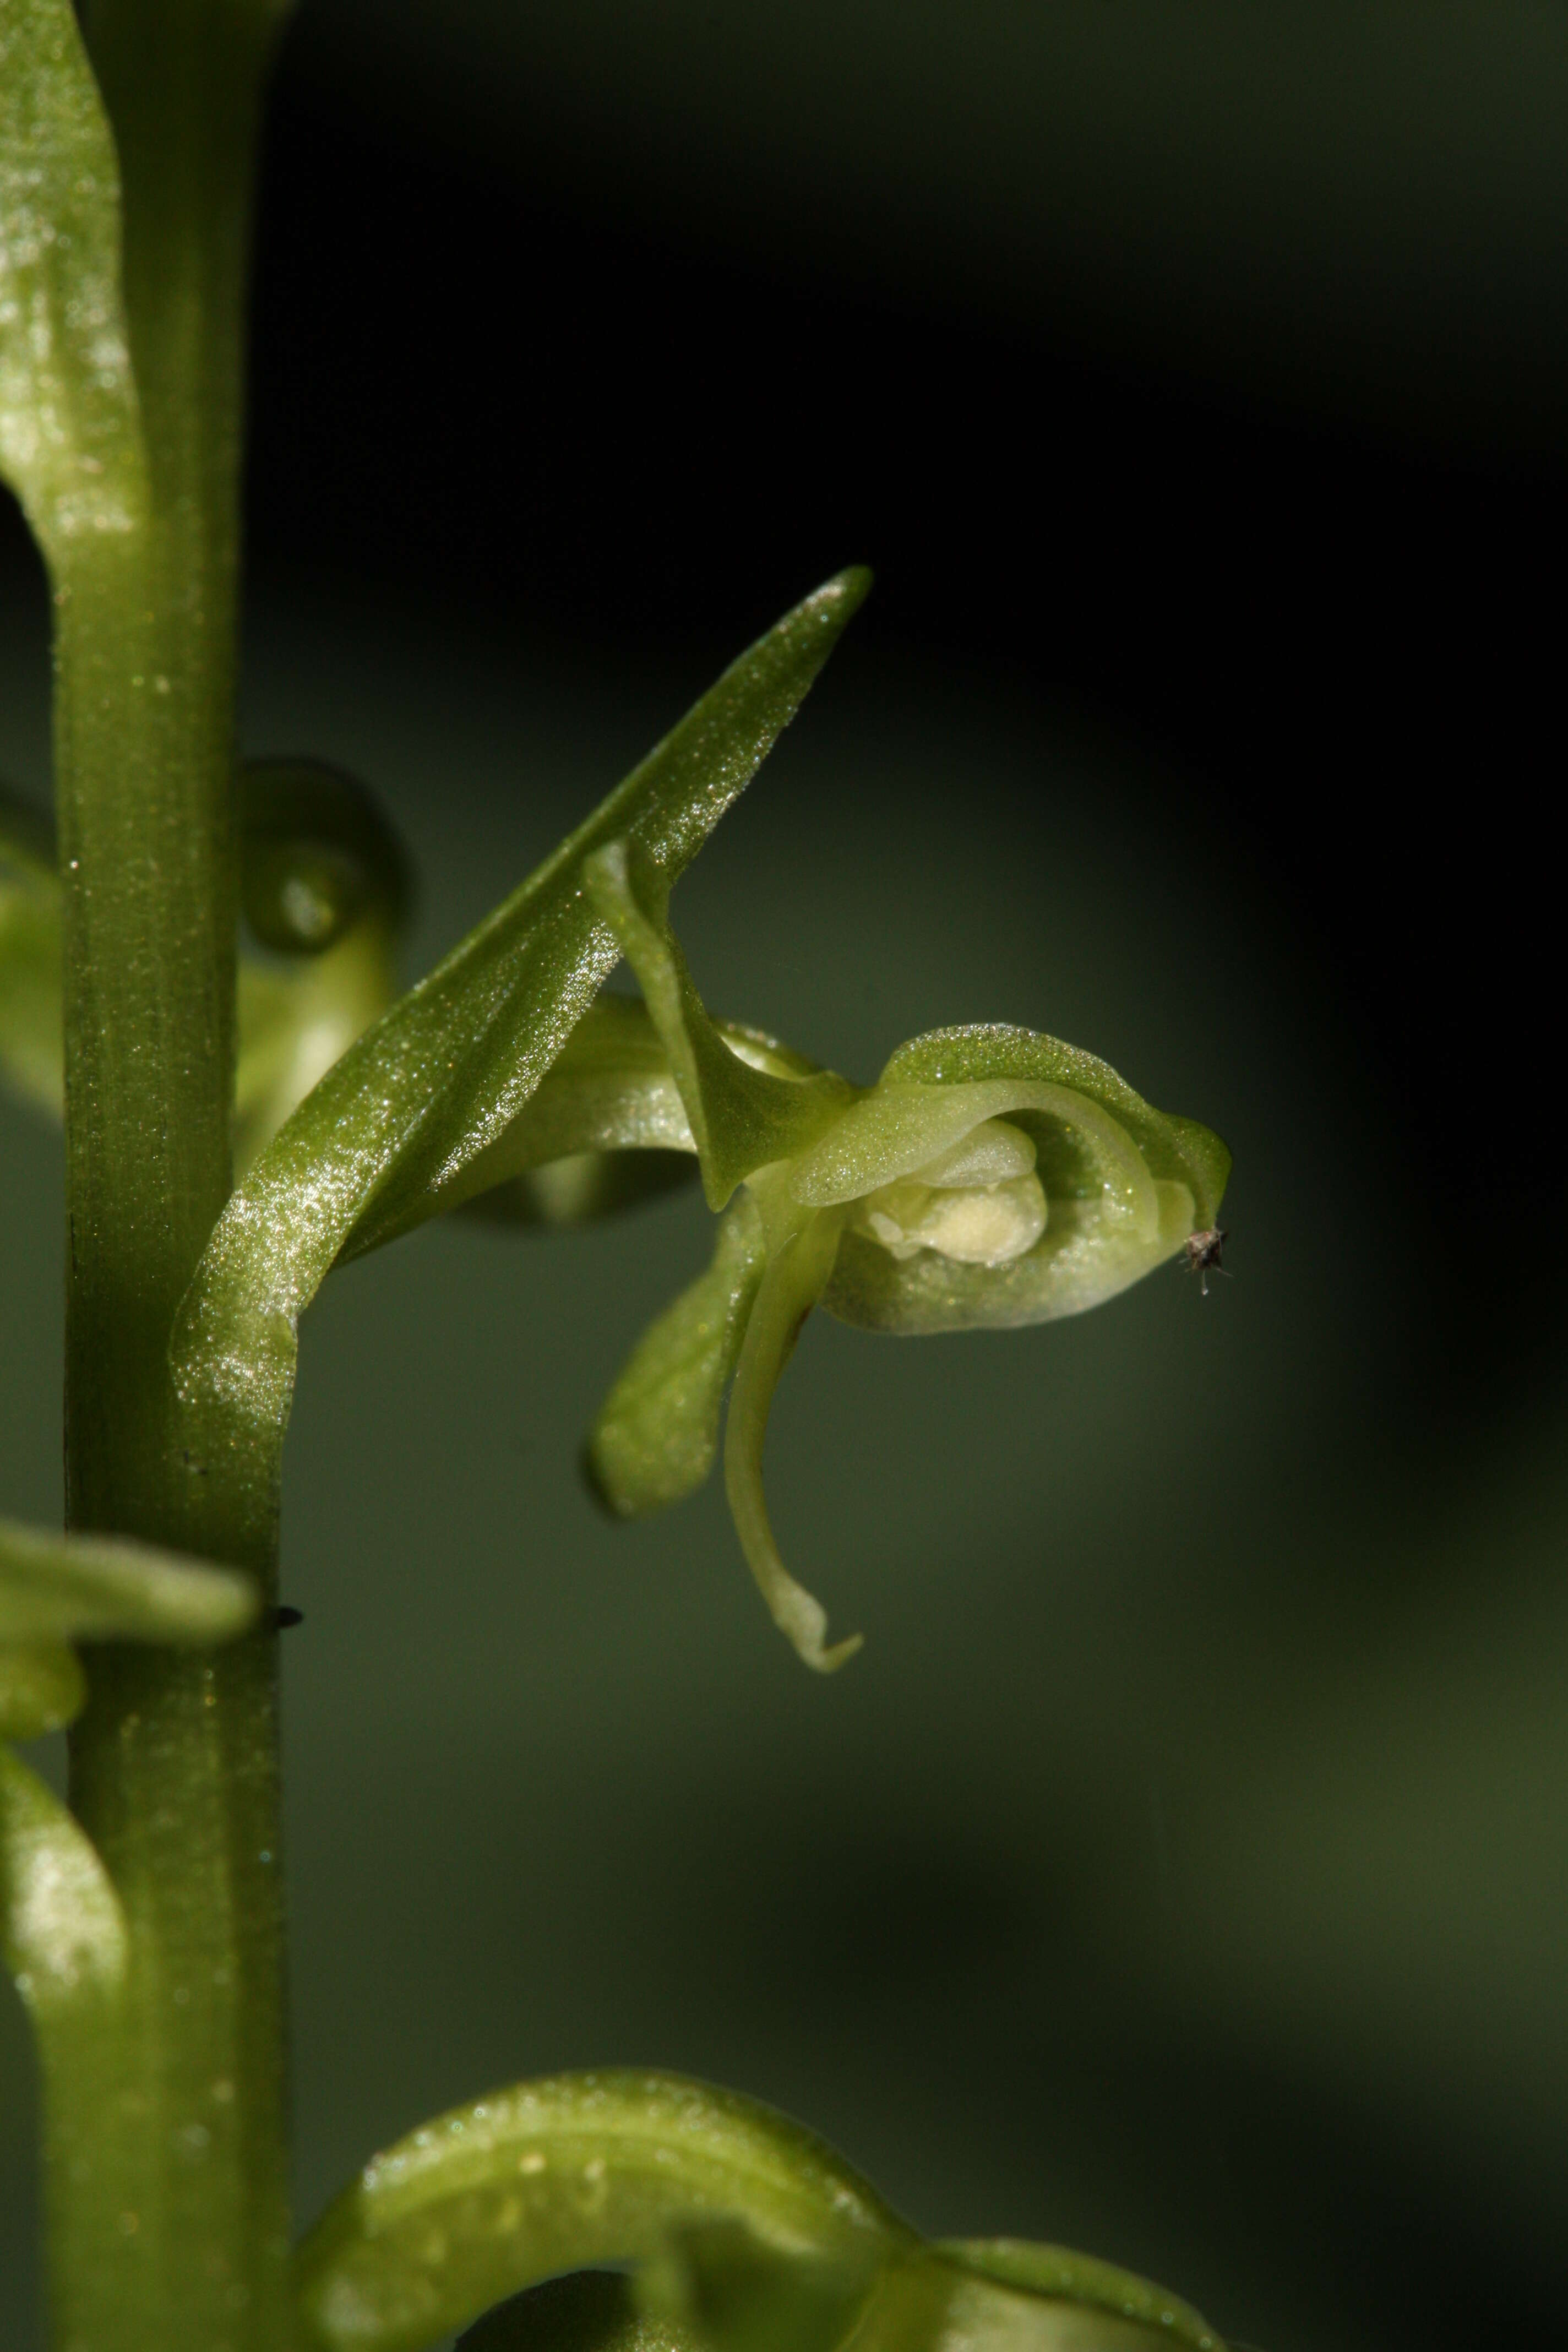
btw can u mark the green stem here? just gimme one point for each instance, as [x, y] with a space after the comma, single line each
[174, 1765]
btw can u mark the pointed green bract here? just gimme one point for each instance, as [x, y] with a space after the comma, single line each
[442, 1075]
[101, 1588]
[71, 444]
[657, 1435]
[557, 2175]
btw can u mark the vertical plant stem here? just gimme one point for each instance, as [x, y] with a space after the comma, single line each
[174, 2235]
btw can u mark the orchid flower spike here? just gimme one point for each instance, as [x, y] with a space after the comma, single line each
[991, 1177]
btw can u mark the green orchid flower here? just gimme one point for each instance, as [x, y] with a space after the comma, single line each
[991, 1177]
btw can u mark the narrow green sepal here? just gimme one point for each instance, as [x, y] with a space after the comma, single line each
[657, 1435]
[742, 1117]
[587, 2311]
[560, 2175]
[82, 1587]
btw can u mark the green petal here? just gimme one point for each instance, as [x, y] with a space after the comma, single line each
[657, 1435]
[101, 1588]
[41, 1688]
[798, 1268]
[32, 1025]
[553, 2176]
[1060, 2274]
[742, 1117]
[587, 2311]
[447, 1070]
[70, 442]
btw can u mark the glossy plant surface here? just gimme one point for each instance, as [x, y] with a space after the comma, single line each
[990, 1177]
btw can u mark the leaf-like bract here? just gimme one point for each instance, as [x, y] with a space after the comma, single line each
[446, 1071]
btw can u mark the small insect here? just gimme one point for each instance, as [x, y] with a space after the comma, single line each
[1205, 1256]
[284, 1617]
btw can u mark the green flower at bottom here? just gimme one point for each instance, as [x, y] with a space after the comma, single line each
[990, 1177]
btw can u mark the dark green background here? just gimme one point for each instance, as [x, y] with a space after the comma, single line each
[1179, 1871]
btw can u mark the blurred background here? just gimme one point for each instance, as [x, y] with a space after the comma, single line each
[1179, 1873]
